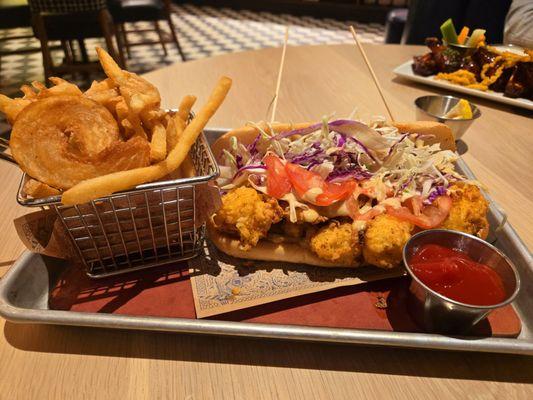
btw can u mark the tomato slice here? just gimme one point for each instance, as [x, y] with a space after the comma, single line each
[302, 179]
[335, 192]
[278, 183]
[431, 216]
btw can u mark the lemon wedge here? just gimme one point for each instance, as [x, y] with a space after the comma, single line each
[461, 110]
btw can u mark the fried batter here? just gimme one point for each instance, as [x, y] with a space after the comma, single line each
[469, 211]
[63, 140]
[248, 213]
[385, 237]
[336, 242]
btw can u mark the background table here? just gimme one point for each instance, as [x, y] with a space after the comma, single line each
[69, 362]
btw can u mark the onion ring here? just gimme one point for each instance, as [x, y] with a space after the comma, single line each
[63, 140]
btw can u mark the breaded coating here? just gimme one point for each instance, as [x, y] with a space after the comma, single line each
[248, 213]
[385, 237]
[336, 242]
[469, 211]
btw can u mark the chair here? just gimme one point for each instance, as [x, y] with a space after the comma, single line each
[15, 14]
[395, 24]
[69, 21]
[143, 10]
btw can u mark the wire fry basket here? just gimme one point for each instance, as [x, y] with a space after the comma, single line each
[150, 225]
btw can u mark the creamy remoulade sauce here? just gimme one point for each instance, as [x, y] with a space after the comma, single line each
[455, 275]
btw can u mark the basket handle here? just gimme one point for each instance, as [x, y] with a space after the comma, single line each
[4, 145]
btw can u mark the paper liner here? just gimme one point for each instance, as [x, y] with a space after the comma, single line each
[222, 283]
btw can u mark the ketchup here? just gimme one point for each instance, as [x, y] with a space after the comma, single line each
[455, 275]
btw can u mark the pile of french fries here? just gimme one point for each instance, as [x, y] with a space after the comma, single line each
[178, 139]
[135, 104]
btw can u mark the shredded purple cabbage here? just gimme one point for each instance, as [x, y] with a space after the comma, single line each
[395, 144]
[317, 155]
[341, 126]
[238, 159]
[365, 149]
[333, 125]
[438, 191]
[341, 140]
[313, 163]
[252, 147]
[246, 167]
[341, 175]
[302, 131]
[405, 184]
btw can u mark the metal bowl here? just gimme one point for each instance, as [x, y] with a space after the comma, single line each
[462, 49]
[438, 313]
[434, 107]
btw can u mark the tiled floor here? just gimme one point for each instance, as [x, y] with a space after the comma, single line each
[203, 32]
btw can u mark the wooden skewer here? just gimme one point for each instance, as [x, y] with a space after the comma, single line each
[280, 73]
[376, 82]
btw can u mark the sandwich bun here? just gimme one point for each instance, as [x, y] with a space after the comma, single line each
[265, 250]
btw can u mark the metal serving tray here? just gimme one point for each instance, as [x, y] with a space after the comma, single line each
[24, 296]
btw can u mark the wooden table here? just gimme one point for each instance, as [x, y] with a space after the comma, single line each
[69, 362]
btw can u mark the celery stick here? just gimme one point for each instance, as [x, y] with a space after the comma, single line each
[449, 35]
[475, 37]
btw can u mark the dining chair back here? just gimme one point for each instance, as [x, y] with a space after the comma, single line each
[15, 14]
[69, 21]
[153, 11]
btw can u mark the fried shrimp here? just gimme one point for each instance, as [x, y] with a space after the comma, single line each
[385, 237]
[248, 213]
[469, 211]
[336, 242]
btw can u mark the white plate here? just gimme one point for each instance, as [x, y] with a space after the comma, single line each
[406, 71]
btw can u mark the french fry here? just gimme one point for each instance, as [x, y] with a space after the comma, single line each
[192, 131]
[38, 190]
[187, 169]
[172, 131]
[140, 95]
[158, 144]
[185, 107]
[178, 121]
[104, 185]
[129, 120]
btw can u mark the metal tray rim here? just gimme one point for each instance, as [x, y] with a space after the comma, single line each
[258, 330]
